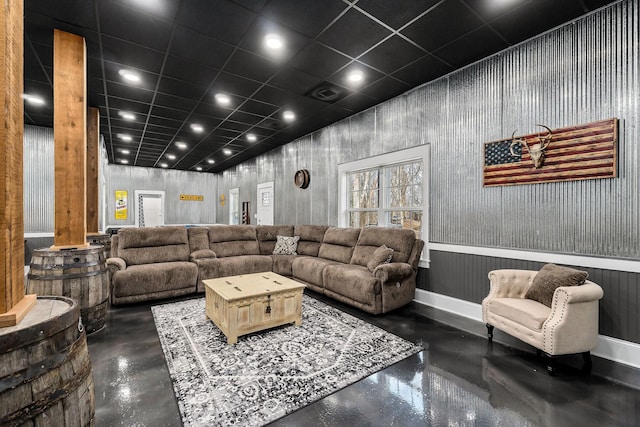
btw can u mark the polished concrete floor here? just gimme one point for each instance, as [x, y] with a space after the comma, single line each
[458, 380]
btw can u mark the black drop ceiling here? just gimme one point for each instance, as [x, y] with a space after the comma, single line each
[186, 51]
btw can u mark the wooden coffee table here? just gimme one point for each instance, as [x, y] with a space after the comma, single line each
[239, 305]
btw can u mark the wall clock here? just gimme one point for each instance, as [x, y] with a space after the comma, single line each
[301, 179]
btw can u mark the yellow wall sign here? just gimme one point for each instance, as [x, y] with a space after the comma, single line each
[121, 204]
[193, 197]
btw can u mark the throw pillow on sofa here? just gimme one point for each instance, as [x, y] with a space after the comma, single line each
[286, 245]
[382, 255]
[549, 278]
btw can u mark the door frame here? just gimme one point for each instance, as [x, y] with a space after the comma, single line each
[137, 207]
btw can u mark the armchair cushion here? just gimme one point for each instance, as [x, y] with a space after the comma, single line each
[382, 255]
[202, 253]
[549, 278]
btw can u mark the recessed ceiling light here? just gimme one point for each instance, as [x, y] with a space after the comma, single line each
[33, 99]
[227, 151]
[251, 137]
[125, 138]
[196, 127]
[164, 165]
[289, 116]
[181, 145]
[124, 161]
[199, 168]
[211, 161]
[130, 76]
[126, 115]
[171, 156]
[125, 151]
[273, 41]
[222, 99]
[355, 76]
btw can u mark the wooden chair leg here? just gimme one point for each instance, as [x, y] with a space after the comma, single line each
[552, 363]
[586, 367]
[490, 332]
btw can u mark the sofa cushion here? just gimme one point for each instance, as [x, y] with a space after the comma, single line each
[154, 278]
[338, 244]
[198, 238]
[382, 255]
[233, 240]
[371, 238]
[267, 236]
[213, 268]
[311, 237]
[202, 253]
[525, 312]
[282, 264]
[138, 246]
[549, 278]
[309, 269]
[286, 245]
[353, 281]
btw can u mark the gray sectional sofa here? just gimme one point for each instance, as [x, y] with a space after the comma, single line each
[155, 263]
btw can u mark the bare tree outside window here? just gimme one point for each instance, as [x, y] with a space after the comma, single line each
[399, 204]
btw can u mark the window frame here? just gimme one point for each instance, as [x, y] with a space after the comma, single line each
[418, 153]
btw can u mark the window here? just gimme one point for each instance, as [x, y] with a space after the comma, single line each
[387, 191]
[387, 195]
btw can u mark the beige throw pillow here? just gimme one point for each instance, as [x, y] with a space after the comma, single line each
[382, 255]
[549, 278]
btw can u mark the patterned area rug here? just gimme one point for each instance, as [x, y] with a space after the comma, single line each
[270, 374]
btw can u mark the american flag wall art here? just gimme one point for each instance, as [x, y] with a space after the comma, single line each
[587, 151]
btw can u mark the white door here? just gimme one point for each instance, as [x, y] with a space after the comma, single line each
[265, 203]
[149, 208]
[234, 206]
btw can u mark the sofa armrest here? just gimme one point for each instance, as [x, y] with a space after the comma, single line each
[115, 264]
[202, 254]
[509, 283]
[587, 292]
[393, 272]
[572, 326]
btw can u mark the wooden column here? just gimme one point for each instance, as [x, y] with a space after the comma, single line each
[93, 147]
[14, 304]
[69, 134]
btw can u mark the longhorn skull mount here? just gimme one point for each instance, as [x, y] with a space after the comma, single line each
[536, 151]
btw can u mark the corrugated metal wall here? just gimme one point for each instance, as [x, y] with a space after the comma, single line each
[582, 72]
[173, 183]
[38, 180]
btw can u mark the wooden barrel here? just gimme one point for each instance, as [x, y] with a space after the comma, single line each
[80, 274]
[101, 239]
[45, 371]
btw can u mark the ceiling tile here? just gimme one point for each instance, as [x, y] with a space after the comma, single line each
[354, 33]
[294, 80]
[392, 54]
[131, 55]
[319, 60]
[437, 27]
[136, 27]
[385, 88]
[253, 41]
[251, 66]
[200, 48]
[423, 70]
[220, 19]
[472, 47]
[396, 13]
[234, 84]
[308, 18]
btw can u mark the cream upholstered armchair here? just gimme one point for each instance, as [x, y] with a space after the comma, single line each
[564, 321]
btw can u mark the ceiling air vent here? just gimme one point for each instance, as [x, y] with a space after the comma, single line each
[327, 92]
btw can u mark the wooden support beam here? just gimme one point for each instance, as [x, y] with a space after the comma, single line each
[69, 134]
[14, 305]
[93, 147]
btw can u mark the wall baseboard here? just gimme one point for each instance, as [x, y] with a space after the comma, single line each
[614, 349]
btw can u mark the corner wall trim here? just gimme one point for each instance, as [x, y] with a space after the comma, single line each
[616, 264]
[617, 350]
